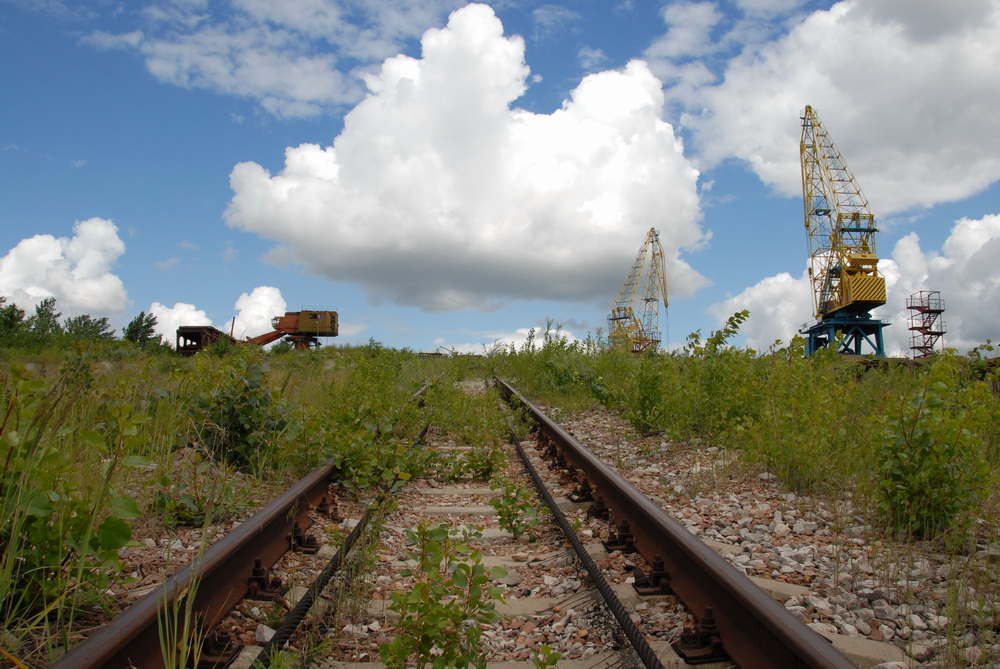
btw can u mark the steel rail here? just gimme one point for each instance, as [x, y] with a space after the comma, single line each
[631, 631]
[218, 579]
[755, 630]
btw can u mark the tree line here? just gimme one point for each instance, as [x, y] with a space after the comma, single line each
[44, 327]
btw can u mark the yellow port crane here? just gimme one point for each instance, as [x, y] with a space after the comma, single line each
[843, 264]
[625, 328]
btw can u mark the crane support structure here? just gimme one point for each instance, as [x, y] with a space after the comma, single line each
[625, 328]
[843, 264]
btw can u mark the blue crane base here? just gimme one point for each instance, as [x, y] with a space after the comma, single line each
[860, 335]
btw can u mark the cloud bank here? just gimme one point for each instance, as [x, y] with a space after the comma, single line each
[439, 193]
[907, 89]
[75, 270]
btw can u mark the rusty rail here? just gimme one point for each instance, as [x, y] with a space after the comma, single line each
[219, 579]
[752, 629]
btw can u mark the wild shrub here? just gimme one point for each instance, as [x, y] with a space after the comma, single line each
[646, 397]
[704, 391]
[516, 511]
[931, 474]
[442, 613]
[60, 529]
[234, 413]
[806, 418]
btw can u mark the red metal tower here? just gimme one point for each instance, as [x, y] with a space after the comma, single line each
[926, 324]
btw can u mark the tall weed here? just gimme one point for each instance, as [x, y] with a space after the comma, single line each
[61, 519]
[931, 473]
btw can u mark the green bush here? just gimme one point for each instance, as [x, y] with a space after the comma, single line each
[235, 415]
[931, 475]
[60, 529]
[440, 616]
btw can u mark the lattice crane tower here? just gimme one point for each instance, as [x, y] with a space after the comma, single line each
[843, 264]
[625, 328]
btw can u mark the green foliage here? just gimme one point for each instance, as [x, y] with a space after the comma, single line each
[440, 616]
[195, 490]
[235, 415]
[545, 656]
[11, 320]
[470, 417]
[42, 330]
[516, 511]
[701, 393]
[479, 463]
[811, 414]
[282, 347]
[45, 321]
[59, 530]
[69, 432]
[557, 372]
[87, 327]
[644, 399]
[483, 461]
[931, 475]
[141, 330]
[369, 422]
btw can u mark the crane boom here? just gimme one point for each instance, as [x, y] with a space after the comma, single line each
[625, 328]
[843, 264]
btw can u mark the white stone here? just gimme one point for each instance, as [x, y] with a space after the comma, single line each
[263, 633]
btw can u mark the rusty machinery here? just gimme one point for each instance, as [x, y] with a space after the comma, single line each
[302, 329]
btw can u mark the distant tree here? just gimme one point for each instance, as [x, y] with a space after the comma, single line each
[142, 330]
[11, 320]
[86, 326]
[45, 321]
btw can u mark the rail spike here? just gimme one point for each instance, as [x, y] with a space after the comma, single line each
[301, 543]
[702, 644]
[218, 650]
[657, 582]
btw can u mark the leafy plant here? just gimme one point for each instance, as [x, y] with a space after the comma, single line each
[483, 461]
[59, 534]
[141, 330]
[442, 613]
[516, 511]
[236, 416]
[930, 474]
[194, 491]
[545, 656]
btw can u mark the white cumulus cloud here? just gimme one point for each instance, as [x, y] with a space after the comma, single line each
[255, 311]
[907, 90]
[168, 319]
[441, 193]
[75, 270]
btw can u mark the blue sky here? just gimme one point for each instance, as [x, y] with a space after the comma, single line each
[452, 175]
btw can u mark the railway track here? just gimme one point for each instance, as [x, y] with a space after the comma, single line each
[650, 594]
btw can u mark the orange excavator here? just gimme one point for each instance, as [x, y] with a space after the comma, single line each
[300, 328]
